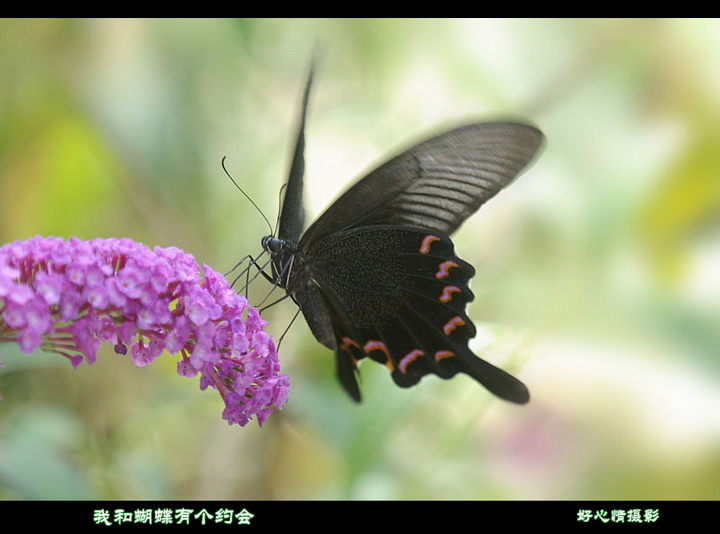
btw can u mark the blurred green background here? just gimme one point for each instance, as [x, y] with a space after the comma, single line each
[598, 271]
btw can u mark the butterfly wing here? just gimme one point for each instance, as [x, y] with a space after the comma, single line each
[292, 216]
[436, 184]
[357, 282]
[398, 296]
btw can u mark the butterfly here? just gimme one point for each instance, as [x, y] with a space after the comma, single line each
[376, 275]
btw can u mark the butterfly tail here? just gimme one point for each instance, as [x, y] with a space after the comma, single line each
[497, 381]
[346, 371]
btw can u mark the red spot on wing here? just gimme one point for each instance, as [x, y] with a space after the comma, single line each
[426, 242]
[347, 343]
[452, 324]
[444, 269]
[442, 354]
[448, 292]
[379, 345]
[409, 358]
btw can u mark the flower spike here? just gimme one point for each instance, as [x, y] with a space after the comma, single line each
[68, 297]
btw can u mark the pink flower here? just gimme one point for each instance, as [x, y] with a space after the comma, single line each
[68, 297]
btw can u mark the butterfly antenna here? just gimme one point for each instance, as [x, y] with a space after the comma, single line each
[245, 194]
[280, 203]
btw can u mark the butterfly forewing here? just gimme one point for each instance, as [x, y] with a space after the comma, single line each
[436, 184]
[292, 216]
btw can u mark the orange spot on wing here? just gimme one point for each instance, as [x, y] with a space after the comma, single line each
[452, 324]
[347, 343]
[379, 345]
[447, 293]
[426, 242]
[444, 269]
[409, 358]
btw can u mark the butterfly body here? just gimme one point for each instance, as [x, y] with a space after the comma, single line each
[376, 276]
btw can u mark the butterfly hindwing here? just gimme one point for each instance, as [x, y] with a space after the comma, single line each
[400, 299]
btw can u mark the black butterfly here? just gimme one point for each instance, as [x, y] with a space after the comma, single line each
[377, 276]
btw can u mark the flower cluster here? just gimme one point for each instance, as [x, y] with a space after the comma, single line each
[69, 296]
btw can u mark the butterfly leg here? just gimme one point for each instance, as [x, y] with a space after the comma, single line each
[246, 272]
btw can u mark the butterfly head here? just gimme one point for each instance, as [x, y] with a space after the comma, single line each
[283, 254]
[272, 244]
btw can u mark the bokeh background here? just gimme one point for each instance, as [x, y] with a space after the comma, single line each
[598, 271]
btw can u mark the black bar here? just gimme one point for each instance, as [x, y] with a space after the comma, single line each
[368, 516]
